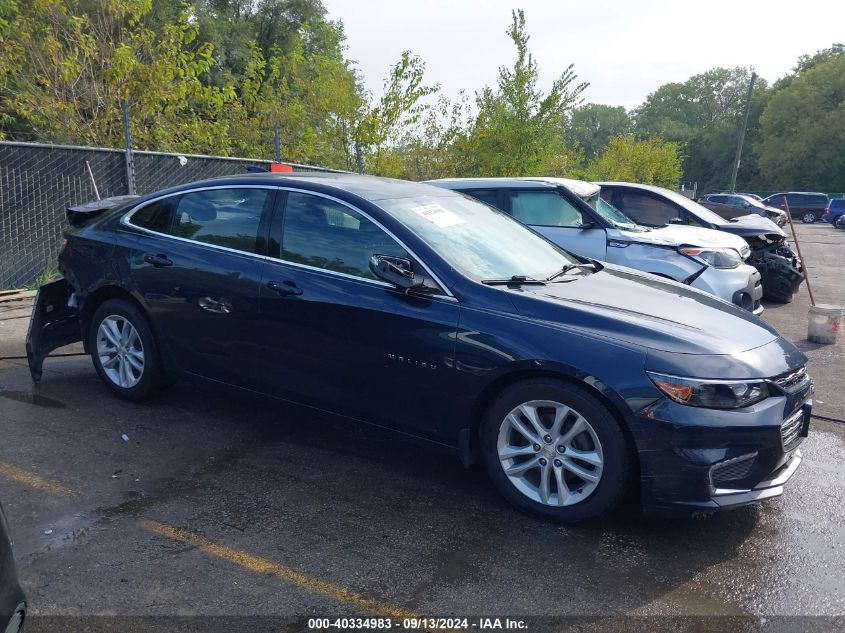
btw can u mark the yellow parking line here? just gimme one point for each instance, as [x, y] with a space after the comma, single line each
[34, 481]
[292, 576]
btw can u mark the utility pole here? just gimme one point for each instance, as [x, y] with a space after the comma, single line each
[742, 131]
[277, 139]
[127, 149]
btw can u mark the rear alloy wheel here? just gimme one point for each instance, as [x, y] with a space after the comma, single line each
[120, 351]
[554, 449]
[808, 217]
[124, 351]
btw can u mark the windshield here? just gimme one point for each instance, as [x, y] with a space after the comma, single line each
[613, 215]
[477, 240]
[753, 202]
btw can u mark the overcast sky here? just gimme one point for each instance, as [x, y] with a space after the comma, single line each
[624, 49]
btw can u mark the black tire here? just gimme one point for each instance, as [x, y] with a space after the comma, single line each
[839, 222]
[615, 475]
[151, 378]
[808, 217]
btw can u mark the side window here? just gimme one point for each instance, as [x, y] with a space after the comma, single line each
[325, 234]
[692, 220]
[794, 200]
[647, 210]
[718, 199]
[156, 216]
[544, 208]
[487, 196]
[223, 217]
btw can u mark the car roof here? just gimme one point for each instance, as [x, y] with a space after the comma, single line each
[800, 193]
[582, 188]
[367, 187]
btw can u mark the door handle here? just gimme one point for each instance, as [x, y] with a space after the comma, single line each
[215, 306]
[158, 260]
[285, 288]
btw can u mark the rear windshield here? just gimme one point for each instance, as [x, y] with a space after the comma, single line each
[837, 203]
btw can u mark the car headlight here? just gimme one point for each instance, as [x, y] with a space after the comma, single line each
[712, 394]
[715, 257]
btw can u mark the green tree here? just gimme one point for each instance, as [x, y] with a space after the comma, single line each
[650, 161]
[591, 126]
[71, 63]
[402, 105]
[518, 129]
[802, 143]
[235, 27]
[704, 114]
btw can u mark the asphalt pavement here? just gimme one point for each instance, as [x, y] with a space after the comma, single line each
[200, 503]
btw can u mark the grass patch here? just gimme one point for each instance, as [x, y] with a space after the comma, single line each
[50, 273]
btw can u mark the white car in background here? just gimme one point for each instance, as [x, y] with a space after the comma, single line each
[572, 214]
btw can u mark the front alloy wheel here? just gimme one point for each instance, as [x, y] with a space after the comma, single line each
[550, 453]
[552, 448]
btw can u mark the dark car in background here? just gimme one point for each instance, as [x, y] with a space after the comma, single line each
[809, 206]
[780, 268]
[734, 205]
[423, 311]
[835, 213]
[12, 600]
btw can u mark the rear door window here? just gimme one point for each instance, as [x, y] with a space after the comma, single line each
[644, 209]
[487, 196]
[544, 208]
[156, 216]
[228, 217]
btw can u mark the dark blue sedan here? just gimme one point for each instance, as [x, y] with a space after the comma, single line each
[420, 310]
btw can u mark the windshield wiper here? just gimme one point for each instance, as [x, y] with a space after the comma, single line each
[570, 267]
[515, 280]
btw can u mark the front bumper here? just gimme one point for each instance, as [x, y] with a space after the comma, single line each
[742, 286]
[698, 459]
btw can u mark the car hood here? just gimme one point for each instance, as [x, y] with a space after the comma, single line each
[645, 310]
[755, 221]
[680, 235]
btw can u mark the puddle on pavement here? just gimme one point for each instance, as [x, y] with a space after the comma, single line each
[32, 398]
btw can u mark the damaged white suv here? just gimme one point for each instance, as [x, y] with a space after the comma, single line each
[572, 214]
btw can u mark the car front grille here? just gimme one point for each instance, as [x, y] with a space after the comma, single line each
[790, 430]
[733, 470]
[792, 382]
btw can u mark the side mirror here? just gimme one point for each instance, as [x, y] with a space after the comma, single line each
[587, 225]
[395, 270]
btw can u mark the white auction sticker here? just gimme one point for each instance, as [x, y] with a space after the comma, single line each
[436, 214]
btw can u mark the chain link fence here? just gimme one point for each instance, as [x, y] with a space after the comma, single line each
[38, 182]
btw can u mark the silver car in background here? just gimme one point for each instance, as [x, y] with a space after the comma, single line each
[572, 214]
